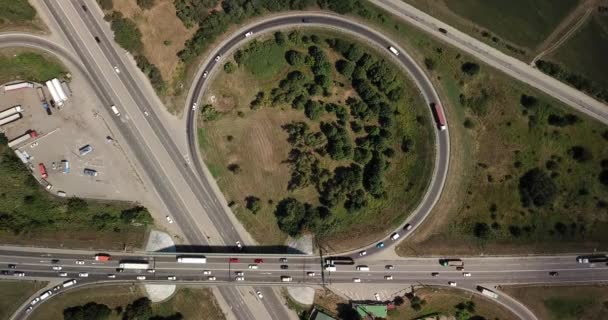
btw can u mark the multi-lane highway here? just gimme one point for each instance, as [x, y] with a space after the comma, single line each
[271, 270]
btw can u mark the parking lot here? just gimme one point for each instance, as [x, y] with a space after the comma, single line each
[60, 135]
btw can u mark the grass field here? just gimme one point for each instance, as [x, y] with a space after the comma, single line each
[16, 64]
[487, 161]
[563, 302]
[257, 143]
[592, 40]
[18, 15]
[30, 215]
[14, 294]
[192, 303]
[523, 23]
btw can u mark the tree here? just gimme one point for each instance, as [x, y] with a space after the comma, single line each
[355, 201]
[536, 188]
[313, 109]
[89, 311]
[528, 101]
[470, 68]
[345, 67]
[209, 113]
[3, 139]
[279, 38]
[145, 4]
[295, 58]
[138, 214]
[140, 309]
[481, 230]
[253, 204]
[126, 33]
[290, 215]
[229, 67]
[234, 168]
[429, 63]
[603, 177]
[580, 154]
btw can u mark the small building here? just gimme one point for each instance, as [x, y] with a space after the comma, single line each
[371, 311]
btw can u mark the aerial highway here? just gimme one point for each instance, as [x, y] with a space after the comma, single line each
[497, 59]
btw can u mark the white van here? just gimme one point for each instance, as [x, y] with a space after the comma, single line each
[115, 110]
[362, 268]
[286, 278]
[330, 267]
[69, 283]
[395, 236]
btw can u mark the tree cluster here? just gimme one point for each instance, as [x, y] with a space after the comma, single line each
[578, 81]
[145, 4]
[89, 311]
[536, 188]
[293, 217]
[209, 113]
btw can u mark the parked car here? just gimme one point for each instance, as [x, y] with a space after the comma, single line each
[90, 172]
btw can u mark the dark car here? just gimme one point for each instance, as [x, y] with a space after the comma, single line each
[305, 20]
[442, 30]
[12, 266]
[55, 261]
[553, 273]
[434, 274]
[4, 272]
[97, 39]
[84, 8]
[284, 266]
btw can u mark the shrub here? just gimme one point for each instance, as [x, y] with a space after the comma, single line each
[481, 230]
[229, 67]
[253, 204]
[295, 58]
[603, 177]
[468, 123]
[279, 38]
[537, 188]
[470, 68]
[209, 113]
[528, 101]
[429, 63]
[234, 168]
[580, 154]
[145, 4]
[106, 4]
[126, 33]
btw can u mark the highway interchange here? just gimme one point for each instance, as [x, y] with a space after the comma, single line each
[185, 189]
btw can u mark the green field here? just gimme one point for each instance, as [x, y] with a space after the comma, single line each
[255, 140]
[14, 293]
[481, 208]
[523, 23]
[16, 13]
[191, 303]
[19, 64]
[586, 51]
[31, 215]
[563, 302]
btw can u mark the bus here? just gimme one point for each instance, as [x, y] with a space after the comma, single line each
[339, 261]
[439, 117]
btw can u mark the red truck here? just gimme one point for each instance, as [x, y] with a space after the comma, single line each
[43, 170]
[103, 257]
[439, 117]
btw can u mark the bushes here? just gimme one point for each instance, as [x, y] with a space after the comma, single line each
[253, 204]
[126, 33]
[106, 4]
[470, 68]
[152, 72]
[209, 113]
[229, 67]
[577, 81]
[536, 188]
[89, 311]
[145, 4]
[17, 11]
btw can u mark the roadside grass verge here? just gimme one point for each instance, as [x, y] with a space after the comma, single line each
[19, 15]
[30, 215]
[256, 142]
[481, 208]
[510, 26]
[191, 303]
[563, 302]
[18, 64]
[14, 293]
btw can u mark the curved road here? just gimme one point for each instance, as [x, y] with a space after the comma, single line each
[425, 86]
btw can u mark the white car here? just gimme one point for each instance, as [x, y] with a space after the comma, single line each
[205, 74]
[357, 280]
[211, 278]
[452, 283]
[408, 227]
[194, 105]
[311, 274]
[253, 266]
[172, 278]
[111, 276]
[240, 278]
[377, 296]
[57, 268]
[35, 301]
[63, 274]
[169, 219]
[217, 58]
[239, 245]
[248, 34]
[116, 69]
[259, 293]
[388, 277]
[29, 309]
[79, 262]
[207, 272]
[19, 274]
[466, 274]
[240, 273]
[151, 270]
[362, 253]
[141, 277]
[83, 274]
[395, 236]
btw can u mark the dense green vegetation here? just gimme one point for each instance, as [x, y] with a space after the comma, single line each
[16, 292]
[32, 66]
[128, 36]
[578, 81]
[145, 4]
[27, 208]
[140, 309]
[16, 11]
[356, 121]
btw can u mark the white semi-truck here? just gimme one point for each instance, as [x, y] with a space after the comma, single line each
[488, 293]
[11, 111]
[59, 89]
[54, 93]
[137, 265]
[192, 259]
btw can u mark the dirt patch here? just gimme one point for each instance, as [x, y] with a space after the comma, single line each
[163, 33]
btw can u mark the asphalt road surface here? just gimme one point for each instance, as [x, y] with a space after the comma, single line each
[272, 270]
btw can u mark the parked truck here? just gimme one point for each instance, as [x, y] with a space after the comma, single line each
[103, 257]
[42, 169]
[9, 119]
[451, 262]
[11, 111]
[17, 86]
[23, 138]
[54, 94]
[66, 88]
[40, 92]
[59, 89]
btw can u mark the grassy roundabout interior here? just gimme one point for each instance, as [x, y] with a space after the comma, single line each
[354, 146]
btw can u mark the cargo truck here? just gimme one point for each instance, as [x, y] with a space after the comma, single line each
[66, 88]
[451, 262]
[592, 258]
[488, 293]
[191, 259]
[339, 261]
[11, 111]
[439, 117]
[59, 89]
[42, 169]
[46, 294]
[54, 94]
[393, 50]
[23, 138]
[69, 283]
[136, 265]
[10, 119]
[41, 95]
